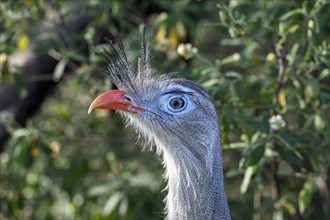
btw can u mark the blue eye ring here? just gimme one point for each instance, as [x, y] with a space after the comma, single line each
[177, 103]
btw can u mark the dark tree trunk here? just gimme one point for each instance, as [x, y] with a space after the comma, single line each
[37, 74]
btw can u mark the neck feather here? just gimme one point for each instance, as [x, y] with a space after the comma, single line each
[195, 185]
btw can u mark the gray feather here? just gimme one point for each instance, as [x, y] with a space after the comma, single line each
[189, 143]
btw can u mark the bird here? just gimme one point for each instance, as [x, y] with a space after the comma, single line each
[178, 118]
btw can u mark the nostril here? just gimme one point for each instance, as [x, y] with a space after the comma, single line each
[127, 98]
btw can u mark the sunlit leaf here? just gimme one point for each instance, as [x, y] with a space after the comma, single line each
[141, 180]
[312, 89]
[123, 207]
[101, 189]
[112, 203]
[319, 122]
[247, 179]
[59, 69]
[305, 196]
[282, 98]
[325, 73]
[293, 28]
[23, 42]
[278, 214]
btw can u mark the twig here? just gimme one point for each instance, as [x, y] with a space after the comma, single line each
[280, 79]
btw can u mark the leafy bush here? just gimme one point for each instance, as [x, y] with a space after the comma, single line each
[264, 63]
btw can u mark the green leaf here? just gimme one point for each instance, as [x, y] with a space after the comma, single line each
[23, 42]
[291, 57]
[59, 69]
[247, 179]
[266, 205]
[210, 83]
[19, 83]
[319, 122]
[123, 207]
[319, 22]
[292, 13]
[229, 59]
[222, 17]
[236, 145]
[112, 202]
[278, 214]
[290, 141]
[312, 89]
[325, 73]
[142, 180]
[305, 196]
[100, 189]
[250, 124]
[286, 156]
[229, 116]
[256, 154]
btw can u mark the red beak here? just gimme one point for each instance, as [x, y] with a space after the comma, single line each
[114, 100]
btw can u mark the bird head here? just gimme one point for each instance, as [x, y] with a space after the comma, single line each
[174, 114]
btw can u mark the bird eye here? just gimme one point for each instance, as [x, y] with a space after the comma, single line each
[177, 104]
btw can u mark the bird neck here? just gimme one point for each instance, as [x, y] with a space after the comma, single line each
[195, 183]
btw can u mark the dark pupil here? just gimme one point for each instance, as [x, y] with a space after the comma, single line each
[177, 103]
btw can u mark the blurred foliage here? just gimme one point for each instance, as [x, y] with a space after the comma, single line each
[266, 65]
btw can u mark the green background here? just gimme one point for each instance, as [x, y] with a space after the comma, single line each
[256, 58]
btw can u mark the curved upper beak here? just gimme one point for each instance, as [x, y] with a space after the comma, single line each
[114, 100]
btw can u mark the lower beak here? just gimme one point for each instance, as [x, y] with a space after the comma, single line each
[114, 100]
